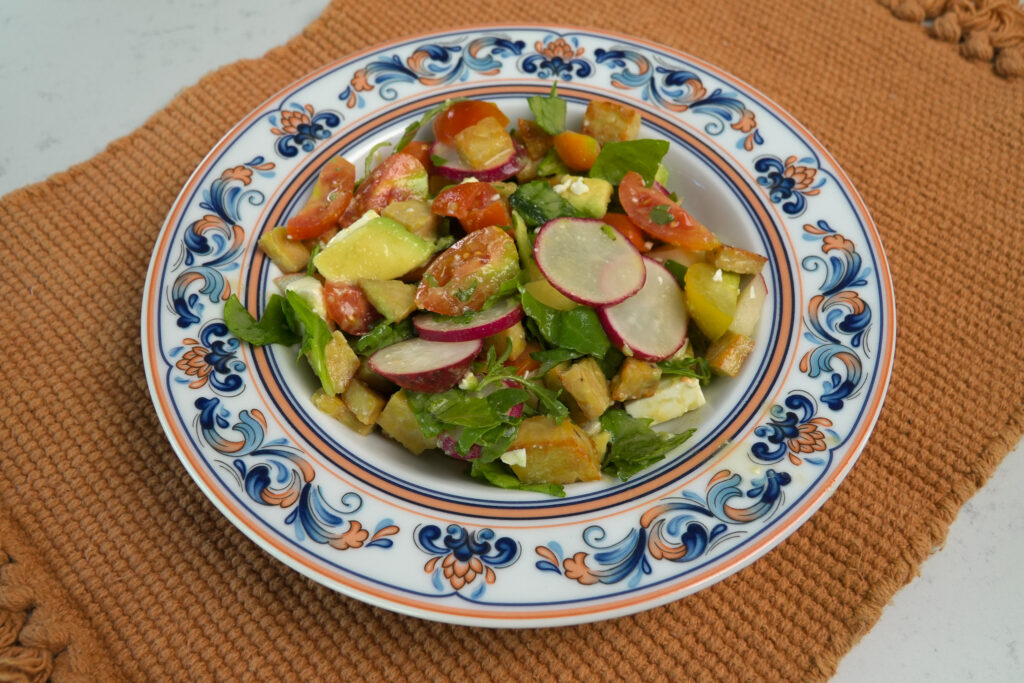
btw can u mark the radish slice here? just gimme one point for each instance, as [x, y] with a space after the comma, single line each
[427, 366]
[748, 307]
[498, 317]
[454, 169]
[652, 323]
[588, 262]
[449, 444]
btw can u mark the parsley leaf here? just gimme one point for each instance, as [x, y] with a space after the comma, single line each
[272, 328]
[537, 203]
[578, 329]
[383, 334]
[315, 336]
[549, 111]
[678, 271]
[438, 160]
[634, 445]
[660, 215]
[698, 368]
[618, 158]
[498, 474]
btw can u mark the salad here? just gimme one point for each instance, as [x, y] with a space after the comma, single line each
[531, 301]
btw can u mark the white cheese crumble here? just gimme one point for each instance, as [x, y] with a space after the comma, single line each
[717, 277]
[674, 397]
[470, 179]
[469, 381]
[578, 187]
[516, 457]
[564, 185]
[311, 291]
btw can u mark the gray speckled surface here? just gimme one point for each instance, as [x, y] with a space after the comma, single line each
[78, 75]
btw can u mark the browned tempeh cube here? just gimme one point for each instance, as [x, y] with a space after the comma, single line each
[727, 353]
[736, 260]
[586, 389]
[336, 408]
[555, 453]
[635, 379]
[364, 402]
[342, 361]
[398, 421]
[611, 122]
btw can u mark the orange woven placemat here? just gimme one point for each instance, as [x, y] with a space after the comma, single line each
[113, 565]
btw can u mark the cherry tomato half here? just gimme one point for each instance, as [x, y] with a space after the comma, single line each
[627, 229]
[660, 217]
[468, 273]
[348, 306]
[332, 194]
[476, 205]
[398, 178]
[461, 115]
[420, 150]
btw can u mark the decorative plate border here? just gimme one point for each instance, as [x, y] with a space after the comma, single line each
[464, 569]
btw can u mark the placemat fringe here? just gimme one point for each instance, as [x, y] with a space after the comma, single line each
[986, 30]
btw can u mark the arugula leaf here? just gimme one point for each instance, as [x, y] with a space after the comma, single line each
[618, 158]
[552, 357]
[272, 328]
[310, 268]
[551, 164]
[549, 111]
[414, 127]
[660, 215]
[678, 271]
[499, 474]
[611, 362]
[497, 371]
[698, 368]
[494, 442]
[634, 445]
[315, 336]
[537, 203]
[578, 329]
[383, 334]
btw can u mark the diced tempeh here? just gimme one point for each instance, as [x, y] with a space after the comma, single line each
[398, 421]
[727, 353]
[635, 379]
[364, 402]
[336, 408]
[736, 260]
[555, 453]
[611, 122]
[585, 386]
[287, 254]
[514, 336]
[342, 361]
[485, 144]
[536, 140]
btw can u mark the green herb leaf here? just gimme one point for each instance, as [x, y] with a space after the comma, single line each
[678, 271]
[661, 215]
[383, 334]
[549, 111]
[463, 409]
[437, 160]
[634, 445]
[371, 155]
[616, 159]
[414, 127]
[537, 203]
[611, 362]
[310, 268]
[552, 357]
[578, 329]
[551, 164]
[272, 328]
[315, 337]
[499, 474]
[698, 368]
[442, 243]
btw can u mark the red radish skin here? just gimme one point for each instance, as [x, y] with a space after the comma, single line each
[653, 322]
[449, 444]
[425, 366]
[498, 317]
[588, 262]
[454, 169]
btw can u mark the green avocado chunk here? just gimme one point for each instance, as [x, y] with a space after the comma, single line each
[376, 248]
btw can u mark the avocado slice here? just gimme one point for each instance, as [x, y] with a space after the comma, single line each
[592, 203]
[393, 299]
[373, 247]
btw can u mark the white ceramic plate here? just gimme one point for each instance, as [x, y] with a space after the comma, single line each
[416, 534]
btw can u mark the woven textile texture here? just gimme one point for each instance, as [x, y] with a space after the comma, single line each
[114, 566]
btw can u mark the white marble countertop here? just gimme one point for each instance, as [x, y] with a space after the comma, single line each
[78, 75]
